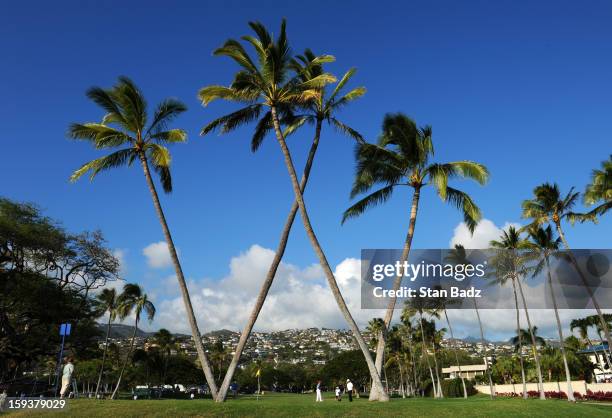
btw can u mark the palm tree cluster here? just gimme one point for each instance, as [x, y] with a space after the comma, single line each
[131, 301]
[280, 93]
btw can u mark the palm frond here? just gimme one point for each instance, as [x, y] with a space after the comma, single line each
[463, 202]
[116, 159]
[373, 199]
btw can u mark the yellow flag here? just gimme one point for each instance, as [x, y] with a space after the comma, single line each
[258, 373]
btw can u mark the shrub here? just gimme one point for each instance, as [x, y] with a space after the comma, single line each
[453, 388]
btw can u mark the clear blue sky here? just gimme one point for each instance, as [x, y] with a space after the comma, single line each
[523, 87]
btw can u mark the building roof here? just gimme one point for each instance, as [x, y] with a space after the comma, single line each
[594, 349]
[465, 368]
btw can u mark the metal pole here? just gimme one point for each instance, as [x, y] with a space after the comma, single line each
[59, 365]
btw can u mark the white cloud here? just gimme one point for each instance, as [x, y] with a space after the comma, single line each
[485, 231]
[158, 255]
[298, 298]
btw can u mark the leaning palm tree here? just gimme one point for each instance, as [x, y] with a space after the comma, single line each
[266, 83]
[107, 303]
[599, 191]
[458, 256]
[509, 263]
[546, 246]
[549, 206]
[125, 125]
[402, 157]
[320, 110]
[132, 299]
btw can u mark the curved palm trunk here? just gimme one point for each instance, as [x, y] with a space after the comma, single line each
[450, 329]
[433, 380]
[604, 324]
[520, 340]
[486, 360]
[568, 376]
[108, 330]
[382, 337]
[195, 332]
[127, 359]
[533, 342]
[604, 354]
[376, 383]
[265, 287]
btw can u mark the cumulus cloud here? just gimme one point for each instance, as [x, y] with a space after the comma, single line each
[485, 231]
[158, 255]
[298, 298]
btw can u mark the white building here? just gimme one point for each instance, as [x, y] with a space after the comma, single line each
[468, 371]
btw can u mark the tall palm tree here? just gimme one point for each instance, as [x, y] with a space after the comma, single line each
[509, 263]
[267, 83]
[132, 299]
[125, 125]
[549, 206]
[402, 157]
[545, 246]
[321, 109]
[107, 303]
[599, 191]
[458, 256]
[526, 336]
[441, 304]
[408, 330]
[166, 342]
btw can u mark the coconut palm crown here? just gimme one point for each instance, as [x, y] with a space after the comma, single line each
[125, 126]
[402, 158]
[267, 82]
[600, 189]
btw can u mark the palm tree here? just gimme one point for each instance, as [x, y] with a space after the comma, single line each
[132, 299]
[526, 335]
[458, 256]
[402, 158]
[322, 108]
[545, 246]
[107, 303]
[166, 342]
[408, 330]
[441, 303]
[600, 189]
[125, 125]
[266, 83]
[509, 264]
[548, 206]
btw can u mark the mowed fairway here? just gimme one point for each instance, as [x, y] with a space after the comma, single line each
[277, 405]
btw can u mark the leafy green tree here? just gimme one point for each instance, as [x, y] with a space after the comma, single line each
[402, 157]
[267, 83]
[132, 299]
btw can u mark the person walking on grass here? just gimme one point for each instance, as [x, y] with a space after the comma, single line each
[66, 376]
[349, 389]
[319, 397]
[338, 395]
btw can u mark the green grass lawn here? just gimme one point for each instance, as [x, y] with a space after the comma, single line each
[281, 405]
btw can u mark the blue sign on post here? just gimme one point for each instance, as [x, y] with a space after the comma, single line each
[64, 330]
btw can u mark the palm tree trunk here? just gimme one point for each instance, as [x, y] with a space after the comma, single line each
[195, 332]
[108, 330]
[486, 360]
[433, 380]
[604, 324]
[377, 384]
[380, 347]
[127, 359]
[440, 393]
[450, 329]
[265, 287]
[533, 342]
[568, 376]
[520, 339]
